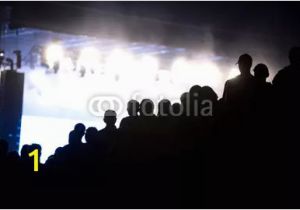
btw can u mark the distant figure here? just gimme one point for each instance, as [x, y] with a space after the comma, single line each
[76, 135]
[25, 152]
[147, 121]
[194, 101]
[107, 136]
[239, 92]
[91, 135]
[184, 99]
[164, 108]
[263, 88]
[286, 81]
[261, 73]
[129, 123]
[147, 108]
[177, 109]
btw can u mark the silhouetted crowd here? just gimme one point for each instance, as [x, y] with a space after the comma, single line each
[240, 151]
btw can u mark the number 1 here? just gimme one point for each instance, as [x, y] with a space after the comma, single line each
[35, 154]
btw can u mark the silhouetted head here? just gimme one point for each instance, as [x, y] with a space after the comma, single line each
[195, 91]
[261, 72]
[164, 108]
[59, 153]
[110, 118]
[25, 151]
[133, 107]
[209, 94]
[3, 148]
[147, 107]
[184, 98]
[245, 63]
[294, 56]
[79, 128]
[36, 146]
[91, 135]
[176, 109]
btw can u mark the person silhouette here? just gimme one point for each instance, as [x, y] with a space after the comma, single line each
[177, 110]
[285, 82]
[76, 135]
[286, 90]
[147, 108]
[261, 73]
[164, 108]
[129, 123]
[107, 136]
[91, 135]
[238, 92]
[263, 88]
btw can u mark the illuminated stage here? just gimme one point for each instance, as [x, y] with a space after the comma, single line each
[85, 76]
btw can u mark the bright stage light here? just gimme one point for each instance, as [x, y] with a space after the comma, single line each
[54, 53]
[121, 63]
[150, 63]
[180, 64]
[89, 58]
[67, 65]
[208, 73]
[196, 72]
[233, 73]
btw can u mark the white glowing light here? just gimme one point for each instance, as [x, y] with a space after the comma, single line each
[54, 53]
[89, 58]
[150, 63]
[66, 65]
[180, 64]
[233, 73]
[208, 73]
[121, 63]
[196, 72]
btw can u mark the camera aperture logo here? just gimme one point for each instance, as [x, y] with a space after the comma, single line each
[97, 105]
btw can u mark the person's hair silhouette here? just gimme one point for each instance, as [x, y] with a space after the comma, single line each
[91, 135]
[164, 108]
[110, 118]
[245, 63]
[146, 108]
[133, 107]
[76, 135]
[261, 72]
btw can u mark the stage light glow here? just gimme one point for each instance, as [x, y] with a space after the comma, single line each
[54, 53]
[89, 58]
[196, 72]
[208, 73]
[150, 63]
[62, 99]
[121, 63]
[233, 73]
[67, 65]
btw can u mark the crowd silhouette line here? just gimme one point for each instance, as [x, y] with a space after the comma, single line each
[239, 151]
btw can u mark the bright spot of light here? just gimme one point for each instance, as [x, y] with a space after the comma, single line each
[66, 65]
[121, 63]
[89, 58]
[150, 63]
[54, 53]
[208, 74]
[196, 72]
[233, 73]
